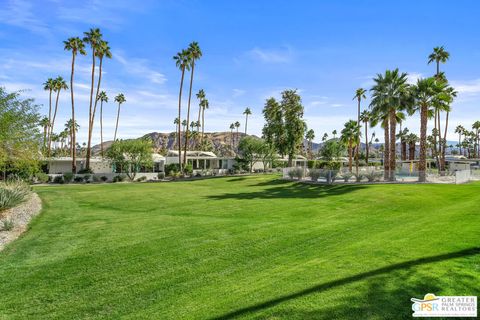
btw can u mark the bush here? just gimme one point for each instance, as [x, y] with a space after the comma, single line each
[84, 171]
[142, 178]
[58, 179]
[329, 175]
[86, 178]
[198, 174]
[171, 169]
[346, 176]
[373, 176]
[118, 178]
[7, 225]
[12, 194]
[291, 173]
[42, 177]
[78, 179]
[104, 178]
[296, 173]
[188, 169]
[161, 175]
[314, 174]
[68, 177]
[95, 178]
[359, 177]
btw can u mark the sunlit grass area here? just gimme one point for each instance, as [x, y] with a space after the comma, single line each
[247, 247]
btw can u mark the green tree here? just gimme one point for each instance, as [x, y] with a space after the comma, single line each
[350, 138]
[237, 125]
[102, 96]
[194, 53]
[232, 141]
[273, 130]
[249, 149]
[76, 46]
[293, 120]
[182, 61]
[439, 55]
[247, 112]
[309, 136]
[120, 99]
[131, 155]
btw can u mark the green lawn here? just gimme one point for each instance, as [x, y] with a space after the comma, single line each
[244, 247]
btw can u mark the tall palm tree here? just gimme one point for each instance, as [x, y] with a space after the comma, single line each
[390, 94]
[411, 139]
[459, 129]
[237, 125]
[200, 96]
[365, 118]
[232, 127]
[359, 95]
[194, 53]
[402, 135]
[349, 136]
[72, 128]
[102, 96]
[476, 127]
[204, 105]
[76, 46]
[309, 136]
[247, 112]
[334, 133]
[45, 124]
[93, 37]
[120, 98]
[439, 55]
[49, 86]
[184, 125]
[59, 85]
[176, 122]
[182, 61]
[426, 93]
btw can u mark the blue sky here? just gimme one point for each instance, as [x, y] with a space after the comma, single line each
[251, 50]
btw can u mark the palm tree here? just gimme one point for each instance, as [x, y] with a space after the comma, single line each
[309, 136]
[390, 94]
[184, 124]
[237, 125]
[176, 122]
[359, 95]
[325, 137]
[334, 133]
[459, 129]
[365, 118]
[402, 134]
[438, 55]
[247, 112]
[232, 127]
[200, 96]
[204, 105]
[45, 124]
[93, 37]
[192, 125]
[349, 136]
[59, 85]
[194, 53]
[182, 61]
[72, 128]
[426, 93]
[476, 127]
[411, 139]
[102, 96]
[49, 86]
[120, 98]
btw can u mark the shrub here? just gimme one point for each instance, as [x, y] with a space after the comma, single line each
[291, 173]
[118, 178]
[329, 175]
[171, 169]
[161, 175]
[104, 178]
[86, 178]
[188, 169]
[7, 225]
[198, 174]
[314, 174]
[95, 178]
[373, 176]
[346, 176]
[78, 179]
[359, 177]
[142, 178]
[84, 171]
[58, 179]
[42, 177]
[68, 177]
[296, 173]
[13, 193]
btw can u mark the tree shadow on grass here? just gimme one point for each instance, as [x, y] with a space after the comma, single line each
[286, 189]
[375, 289]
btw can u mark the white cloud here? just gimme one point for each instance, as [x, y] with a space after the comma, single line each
[238, 93]
[140, 67]
[283, 55]
[20, 13]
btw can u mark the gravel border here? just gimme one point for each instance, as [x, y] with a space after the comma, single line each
[21, 216]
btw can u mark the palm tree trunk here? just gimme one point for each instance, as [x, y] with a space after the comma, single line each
[53, 123]
[101, 128]
[49, 117]
[72, 130]
[422, 165]
[350, 155]
[179, 121]
[198, 122]
[92, 118]
[386, 151]
[87, 160]
[366, 143]
[188, 112]
[203, 124]
[116, 125]
[404, 150]
[393, 124]
[357, 148]
[246, 123]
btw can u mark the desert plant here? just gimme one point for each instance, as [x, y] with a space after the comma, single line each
[329, 175]
[42, 177]
[359, 177]
[373, 176]
[299, 173]
[86, 178]
[83, 171]
[7, 225]
[13, 193]
[161, 175]
[78, 179]
[171, 169]
[118, 178]
[104, 178]
[346, 176]
[314, 174]
[68, 177]
[95, 178]
[188, 170]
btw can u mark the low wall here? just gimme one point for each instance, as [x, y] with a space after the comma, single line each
[110, 176]
[462, 176]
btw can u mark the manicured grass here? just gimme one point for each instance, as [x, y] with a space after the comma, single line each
[246, 247]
